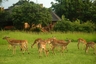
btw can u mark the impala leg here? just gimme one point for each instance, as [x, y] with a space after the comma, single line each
[23, 49]
[93, 49]
[53, 47]
[14, 49]
[50, 46]
[86, 49]
[66, 48]
[9, 47]
[84, 45]
[62, 49]
[27, 49]
[46, 52]
[78, 45]
[40, 52]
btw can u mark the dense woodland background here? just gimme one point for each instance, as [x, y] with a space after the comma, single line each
[76, 15]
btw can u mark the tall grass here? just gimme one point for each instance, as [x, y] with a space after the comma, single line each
[73, 56]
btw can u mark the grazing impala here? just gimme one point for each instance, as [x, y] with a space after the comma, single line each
[14, 43]
[41, 44]
[49, 41]
[81, 40]
[63, 44]
[36, 42]
[88, 45]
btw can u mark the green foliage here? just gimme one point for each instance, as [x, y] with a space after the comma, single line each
[65, 25]
[2, 15]
[31, 13]
[5, 17]
[76, 9]
[88, 26]
[84, 27]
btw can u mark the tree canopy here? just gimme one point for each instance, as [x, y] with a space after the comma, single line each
[75, 9]
[30, 12]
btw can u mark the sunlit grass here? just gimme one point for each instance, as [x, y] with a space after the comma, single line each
[73, 56]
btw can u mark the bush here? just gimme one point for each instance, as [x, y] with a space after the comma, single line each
[66, 25]
[88, 27]
[63, 26]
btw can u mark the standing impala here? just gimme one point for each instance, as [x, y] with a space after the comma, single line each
[14, 43]
[90, 44]
[83, 41]
[55, 43]
[41, 44]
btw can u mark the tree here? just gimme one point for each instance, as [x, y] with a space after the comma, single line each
[74, 9]
[31, 13]
[93, 12]
[5, 19]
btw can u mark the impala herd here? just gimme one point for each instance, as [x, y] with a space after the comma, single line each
[42, 44]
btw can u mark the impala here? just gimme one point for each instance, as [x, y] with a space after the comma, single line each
[14, 43]
[81, 40]
[63, 44]
[41, 44]
[49, 41]
[88, 45]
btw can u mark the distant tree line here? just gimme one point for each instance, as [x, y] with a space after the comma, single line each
[84, 10]
[25, 11]
[76, 15]
[31, 13]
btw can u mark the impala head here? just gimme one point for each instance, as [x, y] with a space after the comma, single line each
[36, 42]
[6, 37]
[49, 40]
[69, 41]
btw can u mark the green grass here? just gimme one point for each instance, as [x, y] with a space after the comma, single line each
[73, 56]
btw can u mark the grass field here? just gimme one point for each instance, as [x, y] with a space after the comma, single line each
[73, 56]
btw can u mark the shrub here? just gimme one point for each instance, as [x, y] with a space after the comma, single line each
[88, 27]
[65, 25]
